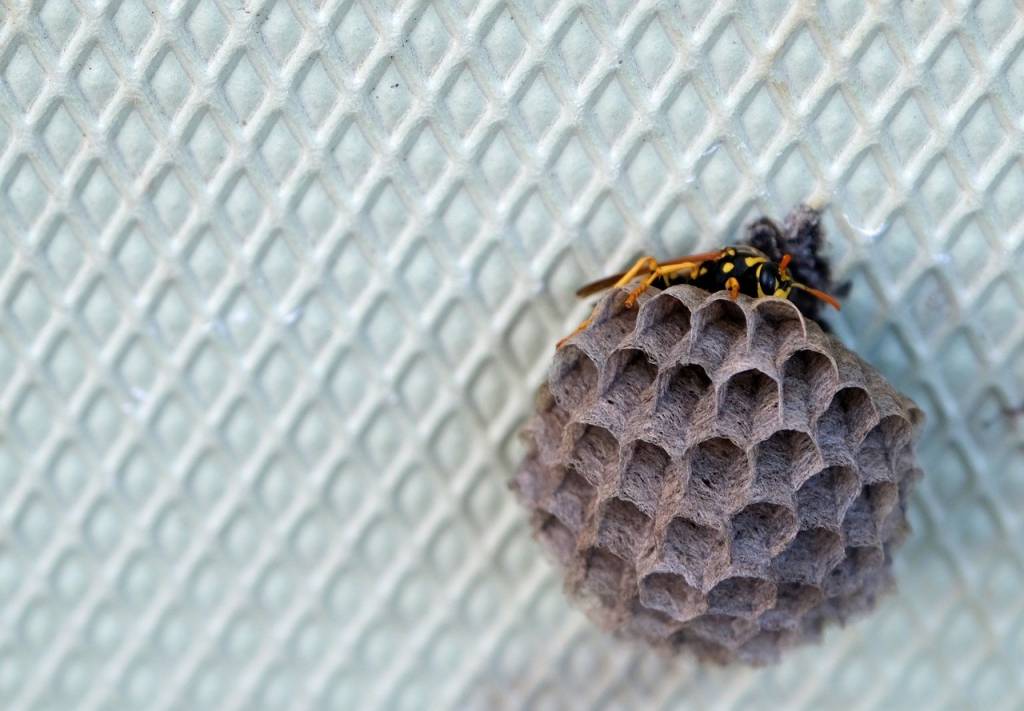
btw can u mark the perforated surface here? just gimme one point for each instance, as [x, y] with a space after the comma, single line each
[278, 280]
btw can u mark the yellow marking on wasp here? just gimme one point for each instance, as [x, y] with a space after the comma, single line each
[703, 271]
[781, 293]
[751, 261]
[727, 267]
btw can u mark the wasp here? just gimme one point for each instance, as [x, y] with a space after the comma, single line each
[738, 269]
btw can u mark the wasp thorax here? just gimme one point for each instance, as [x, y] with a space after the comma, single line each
[717, 476]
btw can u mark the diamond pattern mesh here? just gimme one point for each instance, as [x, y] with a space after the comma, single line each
[278, 280]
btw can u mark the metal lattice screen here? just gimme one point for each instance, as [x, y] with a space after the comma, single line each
[278, 279]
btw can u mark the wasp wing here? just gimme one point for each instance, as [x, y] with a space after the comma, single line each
[600, 285]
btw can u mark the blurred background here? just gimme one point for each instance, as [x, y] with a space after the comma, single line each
[278, 279]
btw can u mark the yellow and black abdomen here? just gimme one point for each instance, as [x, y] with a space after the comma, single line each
[739, 263]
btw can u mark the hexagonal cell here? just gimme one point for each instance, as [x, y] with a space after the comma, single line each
[728, 631]
[595, 452]
[895, 528]
[651, 624]
[877, 455]
[760, 532]
[792, 602]
[808, 380]
[571, 503]
[897, 432]
[698, 553]
[742, 597]
[533, 481]
[720, 333]
[812, 627]
[558, 539]
[840, 430]
[781, 463]
[628, 376]
[603, 576]
[907, 478]
[848, 577]
[777, 327]
[843, 606]
[643, 475]
[663, 324]
[851, 369]
[863, 522]
[718, 483]
[704, 649]
[823, 499]
[670, 594]
[683, 398]
[748, 406]
[809, 558]
[549, 425]
[613, 324]
[766, 646]
[573, 377]
[622, 527]
[874, 459]
[906, 464]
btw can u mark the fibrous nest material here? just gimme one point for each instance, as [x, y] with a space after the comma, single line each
[802, 236]
[717, 476]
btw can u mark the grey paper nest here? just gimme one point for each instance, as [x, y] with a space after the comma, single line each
[717, 476]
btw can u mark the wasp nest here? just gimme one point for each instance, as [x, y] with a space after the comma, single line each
[718, 476]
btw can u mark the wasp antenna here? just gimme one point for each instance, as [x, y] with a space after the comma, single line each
[786, 259]
[827, 298]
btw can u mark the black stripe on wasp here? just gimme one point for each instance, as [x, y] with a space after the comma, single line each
[737, 269]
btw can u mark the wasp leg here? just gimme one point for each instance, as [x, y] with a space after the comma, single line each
[665, 271]
[641, 266]
[732, 285]
[584, 325]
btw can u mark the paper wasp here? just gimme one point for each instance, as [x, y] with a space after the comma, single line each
[738, 269]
